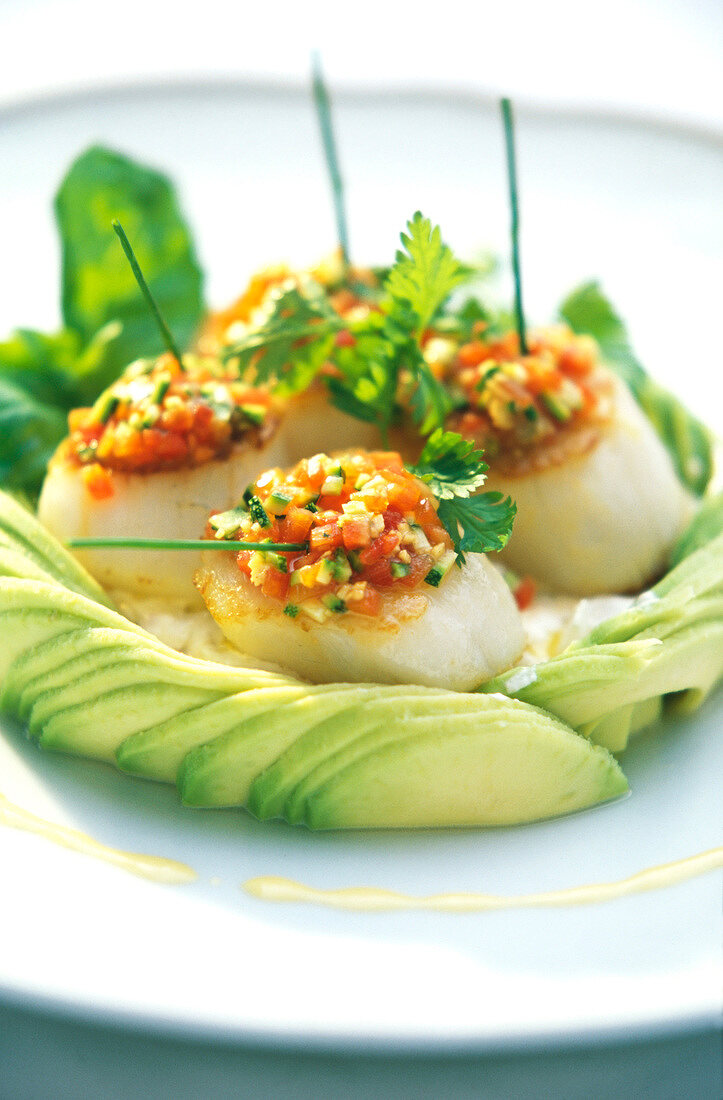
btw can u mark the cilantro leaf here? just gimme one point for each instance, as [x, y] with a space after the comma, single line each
[450, 465]
[426, 274]
[98, 285]
[687, 440]
[293, 344]
[477, 524]
[430, 401]
[454, 469]
[368, 383]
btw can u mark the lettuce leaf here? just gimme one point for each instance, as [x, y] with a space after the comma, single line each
[688, 441]
[97, 283]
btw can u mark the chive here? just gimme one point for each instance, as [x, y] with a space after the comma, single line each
[146, 292]
[508, 122]
[323, 110]
[181, 544]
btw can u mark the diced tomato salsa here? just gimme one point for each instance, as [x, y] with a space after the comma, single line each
[371, 528]
[158, 416]
[514, 402]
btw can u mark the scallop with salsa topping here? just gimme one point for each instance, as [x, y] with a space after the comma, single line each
[373, 595]
[598, 502]
[151, 458]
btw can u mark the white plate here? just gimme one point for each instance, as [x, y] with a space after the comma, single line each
[639, 208]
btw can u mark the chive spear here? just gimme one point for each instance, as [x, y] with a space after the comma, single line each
[323, 110]
[180, 544]
[146, 292]
[509, 127]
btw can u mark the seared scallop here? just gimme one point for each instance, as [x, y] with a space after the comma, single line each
[371, 590]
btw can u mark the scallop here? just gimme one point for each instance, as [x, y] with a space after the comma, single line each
[311, 424]
[455, 636]
[167, 504]
[603, 520]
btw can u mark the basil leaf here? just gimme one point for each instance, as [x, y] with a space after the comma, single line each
[97, 283]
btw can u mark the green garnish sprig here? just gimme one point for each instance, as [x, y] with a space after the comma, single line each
[454, 470]
[509, 128]
[146, 292]
[323, 110]
[182, 544]
[386, 346]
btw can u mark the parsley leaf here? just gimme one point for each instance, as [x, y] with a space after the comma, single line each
[454, 469]
[687, 440]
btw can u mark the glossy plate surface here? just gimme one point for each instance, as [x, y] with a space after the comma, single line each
[636, 206]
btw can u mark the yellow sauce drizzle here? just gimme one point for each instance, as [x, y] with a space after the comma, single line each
[373, 899]
[167, 871]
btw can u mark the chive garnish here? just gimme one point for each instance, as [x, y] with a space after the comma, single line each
[509, 128]
[181, 544]
[323, 110]
[146, 292]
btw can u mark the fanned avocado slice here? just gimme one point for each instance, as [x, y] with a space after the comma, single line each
[158, 752]
[38, 545]
[318, 750]
[221, 773]
[669, 644]
[520, 766]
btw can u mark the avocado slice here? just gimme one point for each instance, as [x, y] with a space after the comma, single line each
[221, 773]
[36, 542]
[158, 752]
[669, 644]
[28, 675]
[518, 766]
[321, 747]
[97, 709]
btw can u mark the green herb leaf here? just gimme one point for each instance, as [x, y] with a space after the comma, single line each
[477, 524]
[430, 401]
[97, 283]
[450, 465]
[293, 344]
[426, 274]
[42, 377]
[30, 430]
[688, 441]
[454, 469]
